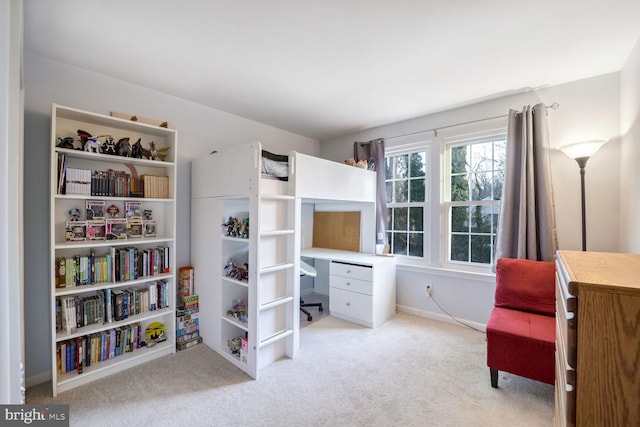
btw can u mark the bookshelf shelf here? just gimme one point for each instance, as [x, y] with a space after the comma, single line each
[128, 186]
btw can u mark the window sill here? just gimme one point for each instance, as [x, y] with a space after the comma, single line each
[405, 265]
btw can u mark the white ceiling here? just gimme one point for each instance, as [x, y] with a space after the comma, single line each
[327, 68]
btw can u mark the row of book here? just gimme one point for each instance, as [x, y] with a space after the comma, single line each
[119, 265]
[109, 305]
[81, 352]
[109, 183]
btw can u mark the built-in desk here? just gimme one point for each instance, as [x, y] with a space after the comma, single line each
[362, 287]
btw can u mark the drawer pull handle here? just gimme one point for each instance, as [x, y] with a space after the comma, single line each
[348, 304]
[348, 283]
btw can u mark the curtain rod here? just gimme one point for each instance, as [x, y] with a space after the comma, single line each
[553, 106]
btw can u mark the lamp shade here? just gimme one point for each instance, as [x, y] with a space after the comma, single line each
[583, 149]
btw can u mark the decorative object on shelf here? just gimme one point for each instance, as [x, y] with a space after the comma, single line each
[123, 147]
[155, 332]
[140, 119]
[149, 228]
[581, 152]
[109, 146]
[116, 229]
[93, 145]
[113, 210]
[155, 153]
[66, 142]
[235, 345]
[232, 270]
[133, 211]
[94, 209]
[75, 230]
[147, 214]
[350, 161]
[230, 267]
[84, 136]
[362, 164]
[74, 213]
[237, 228]
[136, 149]
[95, 229]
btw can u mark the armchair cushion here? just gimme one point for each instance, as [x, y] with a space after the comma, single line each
[526, 285]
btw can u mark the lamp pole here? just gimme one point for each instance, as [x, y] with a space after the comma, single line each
[582, 163]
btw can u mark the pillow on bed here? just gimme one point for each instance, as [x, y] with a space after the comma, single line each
[276, 165]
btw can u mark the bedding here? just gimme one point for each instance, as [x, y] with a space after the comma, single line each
[275, 165]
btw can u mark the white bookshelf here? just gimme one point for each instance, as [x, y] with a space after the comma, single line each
[65, 122]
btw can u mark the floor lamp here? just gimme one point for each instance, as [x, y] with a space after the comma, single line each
[581, 152]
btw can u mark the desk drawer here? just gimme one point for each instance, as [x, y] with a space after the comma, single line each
[351, 304]
[355, 271]
[351, 284]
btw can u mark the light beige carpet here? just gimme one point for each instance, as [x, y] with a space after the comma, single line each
[408, 372]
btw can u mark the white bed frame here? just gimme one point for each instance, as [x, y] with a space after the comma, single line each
[230, 181]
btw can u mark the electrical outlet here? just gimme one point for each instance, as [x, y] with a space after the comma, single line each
[428, 290]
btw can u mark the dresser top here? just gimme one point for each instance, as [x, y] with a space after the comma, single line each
[614, 272]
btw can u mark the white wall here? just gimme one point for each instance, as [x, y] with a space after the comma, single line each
[588, 109]
[11, 256]
[200, 130]
[630, 153]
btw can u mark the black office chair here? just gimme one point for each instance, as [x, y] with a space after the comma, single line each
[307, 270]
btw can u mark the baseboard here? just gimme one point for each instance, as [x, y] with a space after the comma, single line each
[439, 317]
[40, 378]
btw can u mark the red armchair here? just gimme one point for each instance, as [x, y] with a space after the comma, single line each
[521, 330]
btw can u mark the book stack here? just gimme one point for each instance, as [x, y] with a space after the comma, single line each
[187, 324]
[155, 187]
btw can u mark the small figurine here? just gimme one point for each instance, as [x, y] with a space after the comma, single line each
[230, 267]
[123, 147]
[109, 146]
[93, 145]
[147, 214]
[66, 142]
[362, 164]
[136, 149]
[75, 214]
[84, 136]
[113, 210]
[350, 162]
[157, 153]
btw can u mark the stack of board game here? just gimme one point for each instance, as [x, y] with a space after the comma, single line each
[187, 325]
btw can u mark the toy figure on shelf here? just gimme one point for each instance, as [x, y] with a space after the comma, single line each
[136, 149]
[93, 145]
[109, 146]
[155, 153]
[84, 137]
[147, 214]
[66, 142]
[230, 267]
[123, 147]
[113, 210]
[74, 213]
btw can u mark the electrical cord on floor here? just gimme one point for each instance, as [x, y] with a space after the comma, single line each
[454, 318]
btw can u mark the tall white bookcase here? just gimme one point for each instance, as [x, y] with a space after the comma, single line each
[221, 188]
[65, 122]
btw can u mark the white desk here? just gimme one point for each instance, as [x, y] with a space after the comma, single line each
[362, 287]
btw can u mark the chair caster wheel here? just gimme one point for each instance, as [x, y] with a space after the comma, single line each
[309, 318]
[320, 309]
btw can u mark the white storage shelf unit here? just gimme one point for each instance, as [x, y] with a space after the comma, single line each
[66, 122]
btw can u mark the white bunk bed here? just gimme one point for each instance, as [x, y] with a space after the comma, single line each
[230, 183]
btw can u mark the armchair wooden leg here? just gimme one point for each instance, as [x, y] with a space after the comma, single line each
[494, 377]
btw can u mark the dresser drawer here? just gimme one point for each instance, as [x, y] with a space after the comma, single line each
[351, 304]
[351, 284]
[356, 271]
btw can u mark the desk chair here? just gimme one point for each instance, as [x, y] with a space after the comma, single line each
[308, 270]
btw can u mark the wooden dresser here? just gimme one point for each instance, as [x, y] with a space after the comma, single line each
[597, 339]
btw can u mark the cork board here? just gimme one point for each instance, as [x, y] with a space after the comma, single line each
[336, 230]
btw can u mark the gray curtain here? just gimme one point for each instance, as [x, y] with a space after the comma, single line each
[527, 226]
[373, 152]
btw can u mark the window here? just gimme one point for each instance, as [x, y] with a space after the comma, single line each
[475, 172]
[407, 202]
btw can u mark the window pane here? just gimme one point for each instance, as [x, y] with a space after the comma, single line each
[459, 188]
[389, 185]
[400, 219]
[482, 184]
[401, 191]
[417, 164]
[482, 157]
[400, 243]
[389, 219]
[416, 219]
[481, 219]
[416, 190]
[459, 159]
[459, 247]
[459, 219]
[388, 169]
[401, 167]
[416, 244]
[481, 249]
